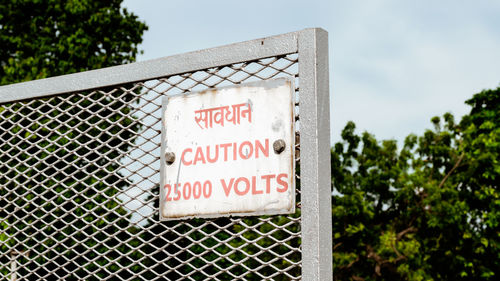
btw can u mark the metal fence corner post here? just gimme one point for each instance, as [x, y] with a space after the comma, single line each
[315, 155]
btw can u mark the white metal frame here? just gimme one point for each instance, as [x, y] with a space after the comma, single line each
[312, 48]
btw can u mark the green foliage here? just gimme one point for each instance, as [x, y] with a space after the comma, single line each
[429, 211]
[59, 155]
[54, 37]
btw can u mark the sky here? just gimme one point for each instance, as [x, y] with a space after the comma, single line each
[394, 64]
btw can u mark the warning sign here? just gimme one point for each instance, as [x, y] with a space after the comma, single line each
[229, 151]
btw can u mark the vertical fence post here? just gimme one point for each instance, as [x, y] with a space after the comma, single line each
[315, 171]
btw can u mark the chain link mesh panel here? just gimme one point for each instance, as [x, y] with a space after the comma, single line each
[79, 178]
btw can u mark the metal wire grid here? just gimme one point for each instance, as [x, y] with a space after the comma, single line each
[79, 178]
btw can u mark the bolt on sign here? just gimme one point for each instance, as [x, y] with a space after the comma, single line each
[229, 151]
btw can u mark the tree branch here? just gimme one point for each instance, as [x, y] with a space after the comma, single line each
[379, 260]
[404, 232]
[452, 170]
[393, 246]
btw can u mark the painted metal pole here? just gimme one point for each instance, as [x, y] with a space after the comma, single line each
[315, 155]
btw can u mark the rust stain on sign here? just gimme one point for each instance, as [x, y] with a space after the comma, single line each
[225, 163]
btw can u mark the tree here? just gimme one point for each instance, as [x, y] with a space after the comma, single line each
[54, 37]
[58, 156]
[429, 211]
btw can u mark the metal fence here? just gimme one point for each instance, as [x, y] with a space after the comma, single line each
[79, 173]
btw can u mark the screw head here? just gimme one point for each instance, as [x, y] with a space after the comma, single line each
[169, 158]
[279, 146]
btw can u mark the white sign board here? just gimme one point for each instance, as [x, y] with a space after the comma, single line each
[229, 151]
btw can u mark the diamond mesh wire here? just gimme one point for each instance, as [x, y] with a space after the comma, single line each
[79, 178]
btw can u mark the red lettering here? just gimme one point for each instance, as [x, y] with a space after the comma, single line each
[186, 192]
[247, 187]
[176, 191]
[207, 189]
[168, 188]
[248, 153]
[264, 149]
[197, 187]
[199, 156]
[213, 160]
[282, 182]
[225, 146]
[227, 189]
[254, 187]
[183, 159]
[268, 182]
[189, 189]
[210, 153]
[206, 118]
[235, 150]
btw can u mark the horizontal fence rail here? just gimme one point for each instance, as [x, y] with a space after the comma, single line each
[79, 173]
